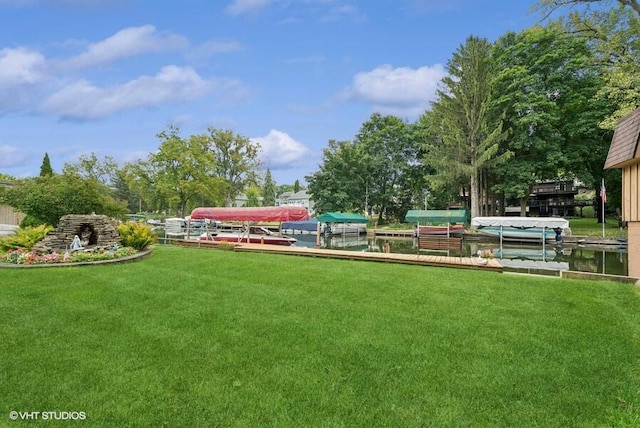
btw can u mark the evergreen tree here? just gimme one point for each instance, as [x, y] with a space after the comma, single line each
[468, 137]
[45, 168]
[268, 190]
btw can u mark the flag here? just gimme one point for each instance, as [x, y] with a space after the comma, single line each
[603, 193]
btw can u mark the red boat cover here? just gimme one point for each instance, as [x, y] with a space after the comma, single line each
[283, 213]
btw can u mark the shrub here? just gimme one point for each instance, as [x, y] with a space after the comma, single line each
[588, 212]
[24, 238]
[136, 235]
[30, 221]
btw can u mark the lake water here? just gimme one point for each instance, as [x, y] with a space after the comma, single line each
[527, 258]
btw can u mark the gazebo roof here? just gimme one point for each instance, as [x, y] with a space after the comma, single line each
[624, 144]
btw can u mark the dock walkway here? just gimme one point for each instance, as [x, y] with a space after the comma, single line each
[414, 259]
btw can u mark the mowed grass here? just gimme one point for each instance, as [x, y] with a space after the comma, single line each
[192, 337]
[590, 227]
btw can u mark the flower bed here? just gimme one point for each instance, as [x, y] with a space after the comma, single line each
[27, 257]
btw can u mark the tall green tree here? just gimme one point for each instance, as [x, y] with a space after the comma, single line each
[388, 151]
[125, 189]
[235, 160]
[181, 172]
[269, 190]
[45, 169]
[612, 29]
[377, 172]
[545, 84]
[583, 111]
[340, 182]
[90, 166]
[441, 179]
[468, 136]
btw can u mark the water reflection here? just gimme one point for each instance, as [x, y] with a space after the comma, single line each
[530, 258]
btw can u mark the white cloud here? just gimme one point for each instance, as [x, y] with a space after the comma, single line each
[83, 100]
[238, 7]
[22, 71]
[32, 83]
[401, 91]
[280, 151]
[12, 156]
[213, 47]
[21, 66]
[126, 43]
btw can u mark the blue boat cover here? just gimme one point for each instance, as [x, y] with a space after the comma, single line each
[308, 225]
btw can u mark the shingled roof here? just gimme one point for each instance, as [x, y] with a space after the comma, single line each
[624, 145]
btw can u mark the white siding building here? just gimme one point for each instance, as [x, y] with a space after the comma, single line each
[300, 199]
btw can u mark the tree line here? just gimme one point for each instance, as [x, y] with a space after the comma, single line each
[206, 169]
[539, 104]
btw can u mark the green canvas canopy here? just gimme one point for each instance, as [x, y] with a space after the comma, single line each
[342, 218]
[436, 216]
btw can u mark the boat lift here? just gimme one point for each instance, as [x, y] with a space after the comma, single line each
[521, 223]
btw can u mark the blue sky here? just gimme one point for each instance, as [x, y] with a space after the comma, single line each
[106, 76]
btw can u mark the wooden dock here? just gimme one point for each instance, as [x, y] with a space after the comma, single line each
[391, 233]
[414, 259]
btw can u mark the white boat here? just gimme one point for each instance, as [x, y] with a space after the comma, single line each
[346, 229]
[518, 234]
[174, 226]
[549, 229]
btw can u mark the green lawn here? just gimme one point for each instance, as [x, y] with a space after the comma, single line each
[591, 227]
[192, 337]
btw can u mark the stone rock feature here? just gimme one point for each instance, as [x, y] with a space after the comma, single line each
[93, 231]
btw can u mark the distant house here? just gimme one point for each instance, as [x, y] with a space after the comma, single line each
[300, 199]
[242, 199]
[7, 214]
[283, 198]
[624, 154]
[553, 199]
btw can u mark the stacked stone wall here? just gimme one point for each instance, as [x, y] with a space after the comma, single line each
[99, 231]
